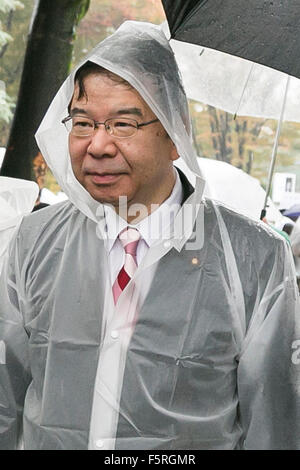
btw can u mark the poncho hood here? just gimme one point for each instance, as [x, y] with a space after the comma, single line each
[140, 53]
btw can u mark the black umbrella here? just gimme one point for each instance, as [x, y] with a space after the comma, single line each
[263, 31]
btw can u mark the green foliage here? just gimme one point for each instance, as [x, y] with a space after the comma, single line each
[4, 37]
[6, 106]
[15, 17]
[82, 12]
[6, 103]
[7, 5]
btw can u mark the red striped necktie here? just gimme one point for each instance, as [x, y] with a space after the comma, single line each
[129, 238]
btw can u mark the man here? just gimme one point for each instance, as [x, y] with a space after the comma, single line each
[137, 315]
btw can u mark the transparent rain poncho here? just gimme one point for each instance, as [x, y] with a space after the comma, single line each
[17, 198]
[210, 362]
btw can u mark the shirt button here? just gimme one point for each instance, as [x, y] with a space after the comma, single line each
[99, 443]
[167, 244]
[114, 334]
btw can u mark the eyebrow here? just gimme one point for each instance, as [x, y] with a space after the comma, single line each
[77, 111]
[119, 112]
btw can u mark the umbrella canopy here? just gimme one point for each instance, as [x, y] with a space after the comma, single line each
[234, 188]
[265, 32]
[236, 85]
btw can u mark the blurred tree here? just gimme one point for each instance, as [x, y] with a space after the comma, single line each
[47, 62]
[220, 124]
[245, 142]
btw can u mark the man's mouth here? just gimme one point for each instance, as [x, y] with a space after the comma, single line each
[104, 177]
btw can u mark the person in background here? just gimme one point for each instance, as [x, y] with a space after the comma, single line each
[17, 198]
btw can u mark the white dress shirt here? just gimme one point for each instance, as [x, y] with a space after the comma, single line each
[118, 321]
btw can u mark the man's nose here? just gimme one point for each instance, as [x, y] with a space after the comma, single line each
[102, 144]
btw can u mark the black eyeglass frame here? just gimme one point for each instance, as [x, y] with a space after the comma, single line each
[98, 123]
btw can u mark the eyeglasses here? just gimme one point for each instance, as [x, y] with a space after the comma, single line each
[82, 126]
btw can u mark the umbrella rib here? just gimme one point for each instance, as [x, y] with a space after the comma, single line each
[243, 92]
[275, 146]
[188, 16]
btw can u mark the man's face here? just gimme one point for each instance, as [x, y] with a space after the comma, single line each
[139, 167]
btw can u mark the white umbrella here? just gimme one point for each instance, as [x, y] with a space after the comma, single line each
[234, 188]
[236, 85]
